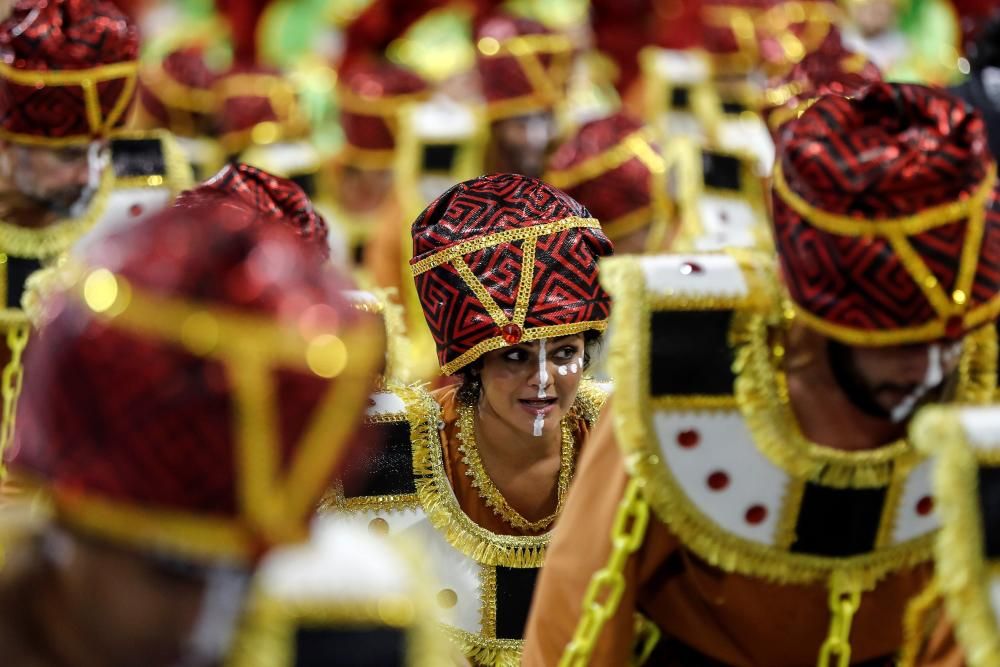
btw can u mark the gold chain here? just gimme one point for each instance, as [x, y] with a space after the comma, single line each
[844, 602]
[607, 586]
[12, 379]
[487, 489]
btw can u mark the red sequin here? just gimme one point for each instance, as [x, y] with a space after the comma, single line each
[687, 268]
[689, 438]
[954, 327]
[511, 333]
[135, 210]
[925, 506]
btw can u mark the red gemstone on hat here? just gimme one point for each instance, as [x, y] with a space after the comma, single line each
[135, 210]
[925, 505]
[511, 333]
[718, 480]
[689, 438]
[756, 514]
[687, 268]
[954, 327]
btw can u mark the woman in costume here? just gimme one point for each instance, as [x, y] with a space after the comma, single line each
[506, 270]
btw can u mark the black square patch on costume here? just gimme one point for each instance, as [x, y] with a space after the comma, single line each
[349, 647]
[137, 157]
[439, 158]
[18, 270]
[389, 469]
[515, 587]
[690, 353]
[838, 522]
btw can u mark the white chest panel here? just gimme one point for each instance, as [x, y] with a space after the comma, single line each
[284, 158]
[698, 275]
[386, 403]
[749, 135]
[682, 124]
[726, 223]
[909, 521]
[681, 67]
[723, 473]
[995, 597]
[126, 207]
[454, 572]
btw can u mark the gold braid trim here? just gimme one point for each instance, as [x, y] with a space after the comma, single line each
[388, 105]
[171, 92]
[910, 225]
[45, 242]
[636, 435]
[456, 251]
[440, 504]
[484, 650]
[602, 163]
[962, 573]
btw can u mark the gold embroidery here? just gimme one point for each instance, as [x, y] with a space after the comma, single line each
[488, 491]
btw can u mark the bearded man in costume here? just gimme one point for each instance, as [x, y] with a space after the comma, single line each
[762, 503]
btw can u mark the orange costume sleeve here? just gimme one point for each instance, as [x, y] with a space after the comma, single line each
[701, 611]
[934, 636]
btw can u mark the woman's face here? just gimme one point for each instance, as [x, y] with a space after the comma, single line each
[531, 392]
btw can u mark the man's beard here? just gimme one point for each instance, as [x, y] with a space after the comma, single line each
[864, 396]
[67, 202]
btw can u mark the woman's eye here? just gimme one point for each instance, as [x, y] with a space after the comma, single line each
[515, 355]
[566, 353]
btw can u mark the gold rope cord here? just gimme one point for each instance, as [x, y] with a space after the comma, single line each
[12, 381]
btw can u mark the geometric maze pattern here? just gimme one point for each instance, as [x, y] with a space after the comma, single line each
[565, 289]
[62, 35]
[891, 152]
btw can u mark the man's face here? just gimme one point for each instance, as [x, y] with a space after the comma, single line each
[898, 379]
[136, 609]
[364, 189]
[59, 179]
[522, 143]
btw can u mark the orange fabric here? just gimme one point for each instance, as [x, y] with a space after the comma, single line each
[461, 482]
[734, 619]
[939, 648]
[382, 258]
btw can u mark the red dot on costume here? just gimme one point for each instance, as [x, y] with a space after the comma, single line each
[135, 210]
[756, 514]
[925, 505]
[718, 480]
[689, 438]
[371, 402]
[688, 268]
[511, 333]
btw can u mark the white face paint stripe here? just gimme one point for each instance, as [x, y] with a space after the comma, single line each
[543, 369]
[932, 378]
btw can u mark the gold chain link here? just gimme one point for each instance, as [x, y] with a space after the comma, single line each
[12, 379]
[844, 602]
[607, 586]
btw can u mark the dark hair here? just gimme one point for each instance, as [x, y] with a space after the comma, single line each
[985, 51]
[470, 386]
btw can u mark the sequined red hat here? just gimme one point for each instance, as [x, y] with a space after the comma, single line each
[176, 93]
[830, 69]
[886, 216]
[241, 184]
[524, 67]
[504, 259]
[613, 167]
[67, 70]
[371, 95]
[256, 103]
[196, 386]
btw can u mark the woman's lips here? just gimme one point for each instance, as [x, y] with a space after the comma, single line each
[538, 406]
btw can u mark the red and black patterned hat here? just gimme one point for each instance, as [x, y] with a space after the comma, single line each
[830, 69]
[197, 385]
[524, 67]
[67, 71]
[371, 95]
[177, 92]
[613, 167]
[886, 216]
[504, 259]
[241, 184]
